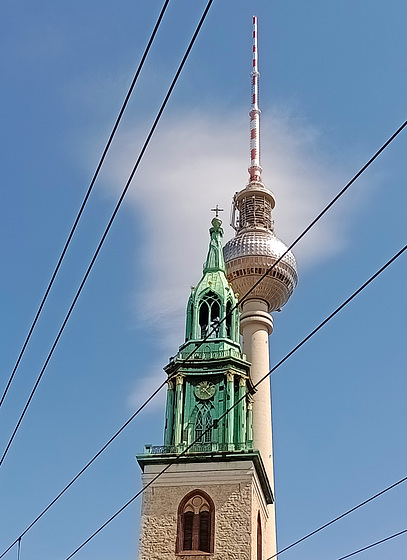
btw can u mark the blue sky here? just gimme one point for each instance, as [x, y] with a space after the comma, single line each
[332, 90]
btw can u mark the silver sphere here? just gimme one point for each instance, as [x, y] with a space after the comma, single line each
[249, 255]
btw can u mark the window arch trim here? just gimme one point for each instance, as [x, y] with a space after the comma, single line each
[209, 308]
[181, 525]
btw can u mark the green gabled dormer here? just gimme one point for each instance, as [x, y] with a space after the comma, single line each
[210, 372]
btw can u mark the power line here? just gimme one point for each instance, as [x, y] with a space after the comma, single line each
[88, 464]
[294, 243]
[339, 517]
[373, 544]
[215, 422]
[147, 141]
[328, 206]
[66, 246]
[85, 200]
[133, 416]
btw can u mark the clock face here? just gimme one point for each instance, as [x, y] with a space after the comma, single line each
[205, 390]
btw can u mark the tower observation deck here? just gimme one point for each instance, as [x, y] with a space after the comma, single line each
[255, 247]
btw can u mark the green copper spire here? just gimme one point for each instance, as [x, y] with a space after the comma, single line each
[209, 371]
[208, 375]
[210, 305]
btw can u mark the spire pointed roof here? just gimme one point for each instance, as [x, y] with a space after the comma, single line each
[212, 298]
[214, 268]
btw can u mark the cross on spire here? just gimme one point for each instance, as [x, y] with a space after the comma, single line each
[217, 210]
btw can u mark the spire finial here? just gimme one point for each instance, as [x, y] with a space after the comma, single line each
[217, 210]
[255, 167]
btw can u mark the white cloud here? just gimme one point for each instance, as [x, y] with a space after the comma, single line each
[145, 387]
[196, 162]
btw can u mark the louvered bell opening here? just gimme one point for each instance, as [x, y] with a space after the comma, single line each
[188, 530]
[204, 531]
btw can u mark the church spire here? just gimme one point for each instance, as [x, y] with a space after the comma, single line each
[210, 368]
[210, 302]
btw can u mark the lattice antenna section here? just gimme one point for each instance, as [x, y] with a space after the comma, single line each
[251, 207]
[255, 167]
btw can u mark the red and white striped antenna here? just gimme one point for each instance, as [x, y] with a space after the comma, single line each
[255, 167]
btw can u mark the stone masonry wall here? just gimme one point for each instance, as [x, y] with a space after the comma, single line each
[233, 521]
[268, 525]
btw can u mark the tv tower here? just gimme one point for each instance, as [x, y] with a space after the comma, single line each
[248, 256]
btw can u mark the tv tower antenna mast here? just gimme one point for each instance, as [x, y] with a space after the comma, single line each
[255, 167]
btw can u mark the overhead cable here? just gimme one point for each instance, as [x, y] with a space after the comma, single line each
[85, 200]
[328, 206]
[373, 544]
[215, 422]
[145, 145]
[293, 244]
[335, 519]
[158, 389]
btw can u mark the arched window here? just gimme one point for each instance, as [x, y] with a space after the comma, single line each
[215, 319]
[259, 539]
[202, 424]
[203, 318]
[209, 315]
[190, 313]
[229, 319]
[196, 518]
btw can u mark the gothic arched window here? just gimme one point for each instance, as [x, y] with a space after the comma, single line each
[209, 315]
[202, 424]
[259, 539]
[190, 313]
[229, 319]
[196, 518]
[203, 318]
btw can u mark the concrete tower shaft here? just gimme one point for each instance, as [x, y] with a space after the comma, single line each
[256, 325]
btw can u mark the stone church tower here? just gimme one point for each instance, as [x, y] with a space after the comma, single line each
[215, 496]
